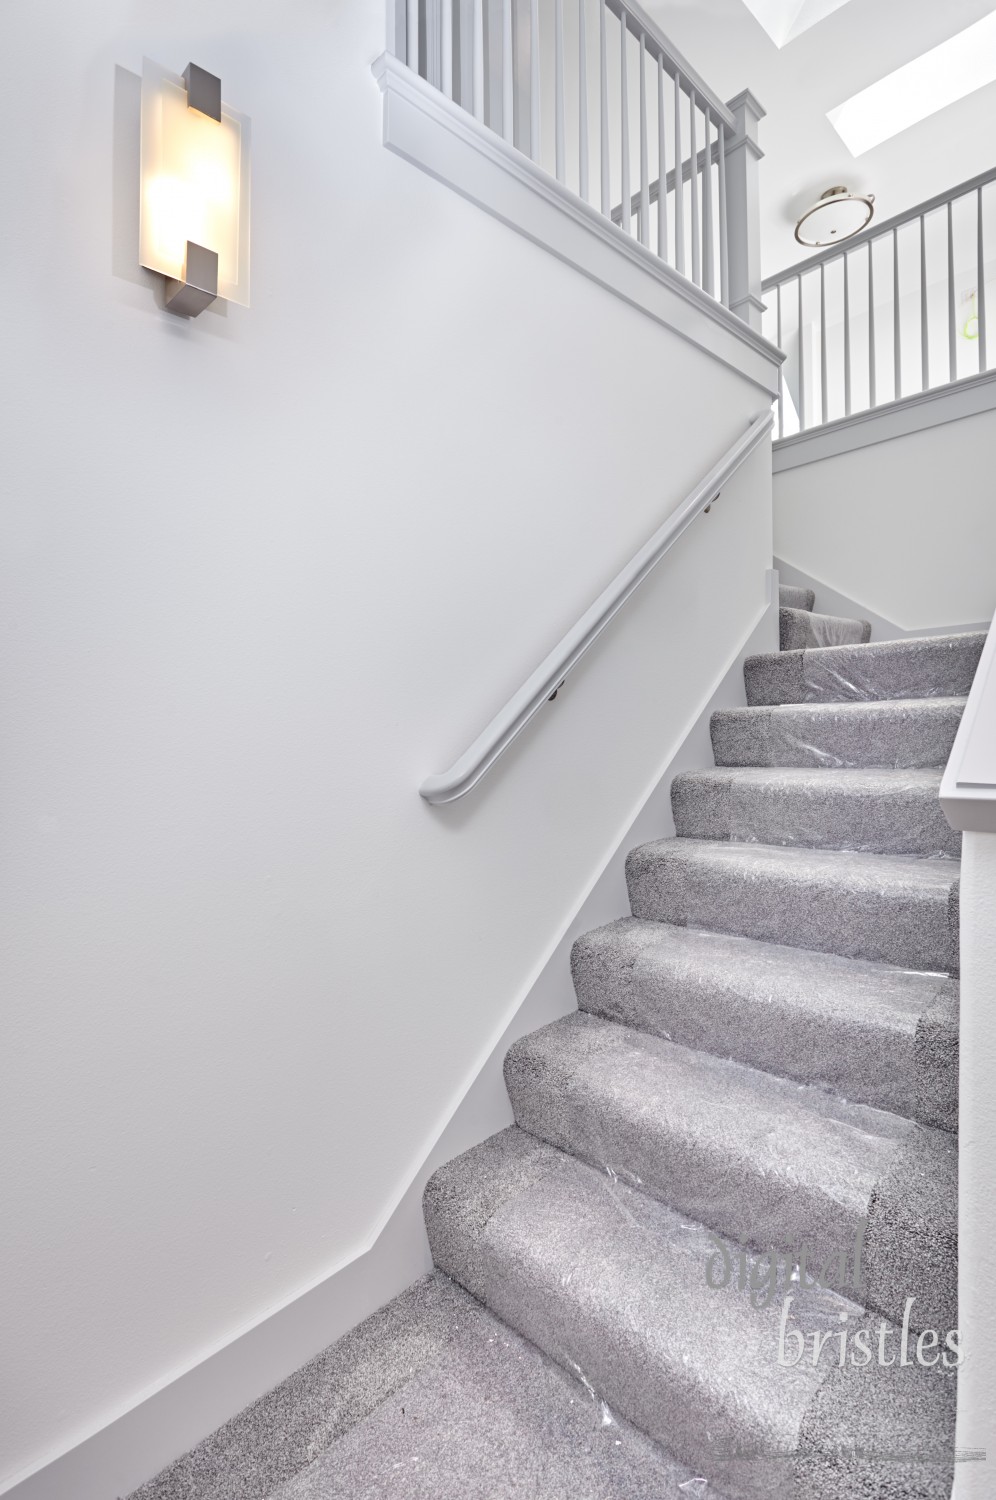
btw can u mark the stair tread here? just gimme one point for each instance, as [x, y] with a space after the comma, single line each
[887, 732]
[488, 1414]
[915, 667]
[889, 908]
[877, 1033]
[430, 1396]
[612, 1283]
[761, 1159]
[877, 810]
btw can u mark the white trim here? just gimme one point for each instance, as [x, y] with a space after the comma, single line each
[945, 403]
[968, 786]
[830, 601]
[186, 1407]
[433, 133]
[548, 678]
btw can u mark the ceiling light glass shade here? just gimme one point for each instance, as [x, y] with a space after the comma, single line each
[195, 184]
[837, 216]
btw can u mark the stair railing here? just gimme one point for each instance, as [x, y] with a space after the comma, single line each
[896, 311]
[596, 94]
[549, 677]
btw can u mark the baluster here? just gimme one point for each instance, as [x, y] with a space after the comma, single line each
[824, 405]
[582, 103]
[433, 43]
[662, 164]
[535, 131]
[604, 101]
[781, 368]
[897, 341]
[693, 156]
[952, 327]
[709, 279]
[679, 182]
[413, 58]
[627, 201]
[397, 29]
[980, 276]
[558, 67]
[847, 335]
[644, 162]
[479, 60]
[724, 241]
[507, 74]
[802, 363]
[446, 42]
[924, 320]
[871, 327]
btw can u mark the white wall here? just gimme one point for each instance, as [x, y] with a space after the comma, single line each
[261, 573]
[906, 528]
[977, 1177]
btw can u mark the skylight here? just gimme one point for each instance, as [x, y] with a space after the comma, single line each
[784, 20]
[920, 88]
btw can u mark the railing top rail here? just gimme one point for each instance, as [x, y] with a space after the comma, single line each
[659, 45]
[508, 723]
[874, 231]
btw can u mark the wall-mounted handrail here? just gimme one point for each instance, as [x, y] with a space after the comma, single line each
[511, 720]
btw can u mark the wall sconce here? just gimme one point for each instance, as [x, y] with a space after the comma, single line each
[194, 217]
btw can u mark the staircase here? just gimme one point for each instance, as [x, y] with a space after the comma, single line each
[764, 1060]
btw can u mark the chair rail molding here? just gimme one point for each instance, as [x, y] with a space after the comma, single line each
[548, 678]
[442, 138]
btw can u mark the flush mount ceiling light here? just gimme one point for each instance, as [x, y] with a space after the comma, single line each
[194, 218]
[837, 216]
[920, 88]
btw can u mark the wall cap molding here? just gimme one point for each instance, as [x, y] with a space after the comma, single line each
[968, 786]
[433, 133]
[944, 403]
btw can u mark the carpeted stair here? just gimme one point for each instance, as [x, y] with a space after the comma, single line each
[764, 1058]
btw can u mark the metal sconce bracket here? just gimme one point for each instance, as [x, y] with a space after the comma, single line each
[199, 286]
[203, 91]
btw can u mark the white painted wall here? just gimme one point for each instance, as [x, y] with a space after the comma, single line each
[977, 1176]
[906, 528]
[260, 574]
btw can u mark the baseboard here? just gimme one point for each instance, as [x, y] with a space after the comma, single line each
[830, 601]
[186, 1407]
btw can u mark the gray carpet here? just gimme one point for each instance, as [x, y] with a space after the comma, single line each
[764, 1061]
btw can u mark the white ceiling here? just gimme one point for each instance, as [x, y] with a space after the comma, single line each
[840, 52]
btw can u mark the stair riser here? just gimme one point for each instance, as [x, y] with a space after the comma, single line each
[940, 668]
[790, 597]
[747, 1008]
[903, 822]
[800, 629]
[913, 927]
[903, 737]
[747, 1155]
[612, 1286]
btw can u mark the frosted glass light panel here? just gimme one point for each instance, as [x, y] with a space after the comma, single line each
[195, 184]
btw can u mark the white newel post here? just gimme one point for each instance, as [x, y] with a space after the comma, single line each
[968, 797]
[743, 155]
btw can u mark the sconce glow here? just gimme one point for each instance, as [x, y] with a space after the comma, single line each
[194, 219]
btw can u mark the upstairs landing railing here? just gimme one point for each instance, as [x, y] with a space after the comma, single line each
[596, 94]
[895, 312]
